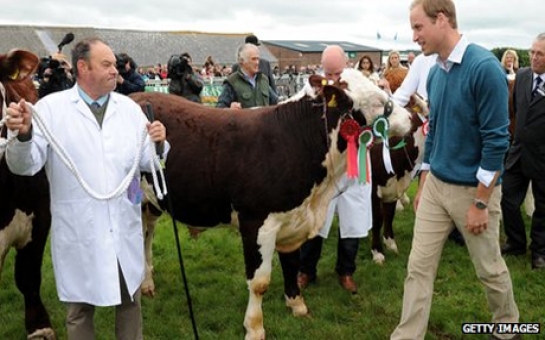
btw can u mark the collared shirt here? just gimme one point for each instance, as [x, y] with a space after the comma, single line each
[89, 100]
[251, 80]
[455, 56]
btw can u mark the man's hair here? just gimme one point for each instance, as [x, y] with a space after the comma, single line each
[82, 50]
[242, 52]
[540, 36]
[432, 8]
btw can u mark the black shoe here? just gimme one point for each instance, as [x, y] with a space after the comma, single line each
[457, 237]
[508, 249]
[538, 262]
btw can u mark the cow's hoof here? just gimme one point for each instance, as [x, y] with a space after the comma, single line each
[378, 257]
[42, 334]
[259, 335]
[391, 244]
[297, 305]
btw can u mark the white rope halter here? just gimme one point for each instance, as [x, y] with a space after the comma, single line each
[155, 164]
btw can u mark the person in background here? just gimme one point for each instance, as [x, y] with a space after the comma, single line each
[56, 75]
[264, 65]
[184, 81]
[128, 79]
[247, 87]
[366, 67]
[525, 162]
[97, 246]
[353, 206]
[410, 59]
[394, 73]
[459, 183]
[510, 62]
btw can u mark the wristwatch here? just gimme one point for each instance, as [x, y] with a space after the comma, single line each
[480, 204]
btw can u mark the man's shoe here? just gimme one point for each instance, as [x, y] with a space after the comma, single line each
[538, 262]
[348, 283]
[303, 280]
[508, 249]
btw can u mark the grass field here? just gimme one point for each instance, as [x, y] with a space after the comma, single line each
[215, 270]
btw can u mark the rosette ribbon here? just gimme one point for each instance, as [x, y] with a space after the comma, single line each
[350, 130]
[364, 156]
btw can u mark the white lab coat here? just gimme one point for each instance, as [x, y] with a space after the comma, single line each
[353, 205]
[89, 237]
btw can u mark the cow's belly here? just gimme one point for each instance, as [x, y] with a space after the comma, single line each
[294, 227]
[394, 188]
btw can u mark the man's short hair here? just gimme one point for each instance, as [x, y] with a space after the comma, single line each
[252, 39]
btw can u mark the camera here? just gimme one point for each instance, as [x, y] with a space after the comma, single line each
[53, 75]
[178, 66]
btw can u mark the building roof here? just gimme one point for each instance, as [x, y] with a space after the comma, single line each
[145, 47]
[149, 48]
[319, 45]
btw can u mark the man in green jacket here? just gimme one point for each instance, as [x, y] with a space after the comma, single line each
[247, 87]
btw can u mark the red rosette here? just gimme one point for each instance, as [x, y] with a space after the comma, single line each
[350, 131]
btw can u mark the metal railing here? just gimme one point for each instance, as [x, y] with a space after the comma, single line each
[286, 86]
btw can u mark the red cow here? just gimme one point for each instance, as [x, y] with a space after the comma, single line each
[276, 167]
[25, 218]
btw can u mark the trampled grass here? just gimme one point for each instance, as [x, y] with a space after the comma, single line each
[215, 270]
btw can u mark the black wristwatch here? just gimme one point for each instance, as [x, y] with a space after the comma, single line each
[480, 204]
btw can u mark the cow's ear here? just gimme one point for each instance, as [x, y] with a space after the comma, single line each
[21, 64]
[336, 97]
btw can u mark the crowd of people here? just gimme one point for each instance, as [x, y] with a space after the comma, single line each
[466, 86]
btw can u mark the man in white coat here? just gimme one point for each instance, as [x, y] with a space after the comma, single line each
[96, 243]
[352, 204]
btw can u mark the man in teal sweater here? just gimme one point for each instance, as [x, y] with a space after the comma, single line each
[463, 160]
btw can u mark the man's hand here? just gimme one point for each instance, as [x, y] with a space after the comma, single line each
[236, 105]
[120, 79]
[476, 220]
[157, 132]
[19, 117]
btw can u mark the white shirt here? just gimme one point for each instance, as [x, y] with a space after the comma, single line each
[416, 79]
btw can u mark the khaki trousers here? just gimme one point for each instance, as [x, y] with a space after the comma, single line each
[440, 205]
[128, 318]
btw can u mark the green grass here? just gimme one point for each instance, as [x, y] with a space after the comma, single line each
[215, 270]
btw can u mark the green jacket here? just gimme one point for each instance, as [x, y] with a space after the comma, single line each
[242, 91]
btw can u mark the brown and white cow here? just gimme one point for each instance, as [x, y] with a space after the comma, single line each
[25, 218]
[390, 187]
[277, 167]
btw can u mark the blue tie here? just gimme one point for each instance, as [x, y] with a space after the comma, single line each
[538, 82]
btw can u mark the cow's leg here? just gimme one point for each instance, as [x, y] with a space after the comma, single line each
[28, 278]
[376, 243]
[258, 261]
[149, 219]
[290, 263]
[389, 210]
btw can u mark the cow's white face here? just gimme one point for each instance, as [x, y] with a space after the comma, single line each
[371, 99]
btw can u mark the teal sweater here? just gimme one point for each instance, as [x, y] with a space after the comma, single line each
[468, 118]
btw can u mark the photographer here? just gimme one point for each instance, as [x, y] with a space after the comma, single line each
[54, 75]
[128, 80]
[183, 81]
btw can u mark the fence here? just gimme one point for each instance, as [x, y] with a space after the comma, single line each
[286, 86]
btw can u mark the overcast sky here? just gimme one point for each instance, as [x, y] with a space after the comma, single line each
[491, 23]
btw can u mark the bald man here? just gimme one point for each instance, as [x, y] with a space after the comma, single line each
[353, 206]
